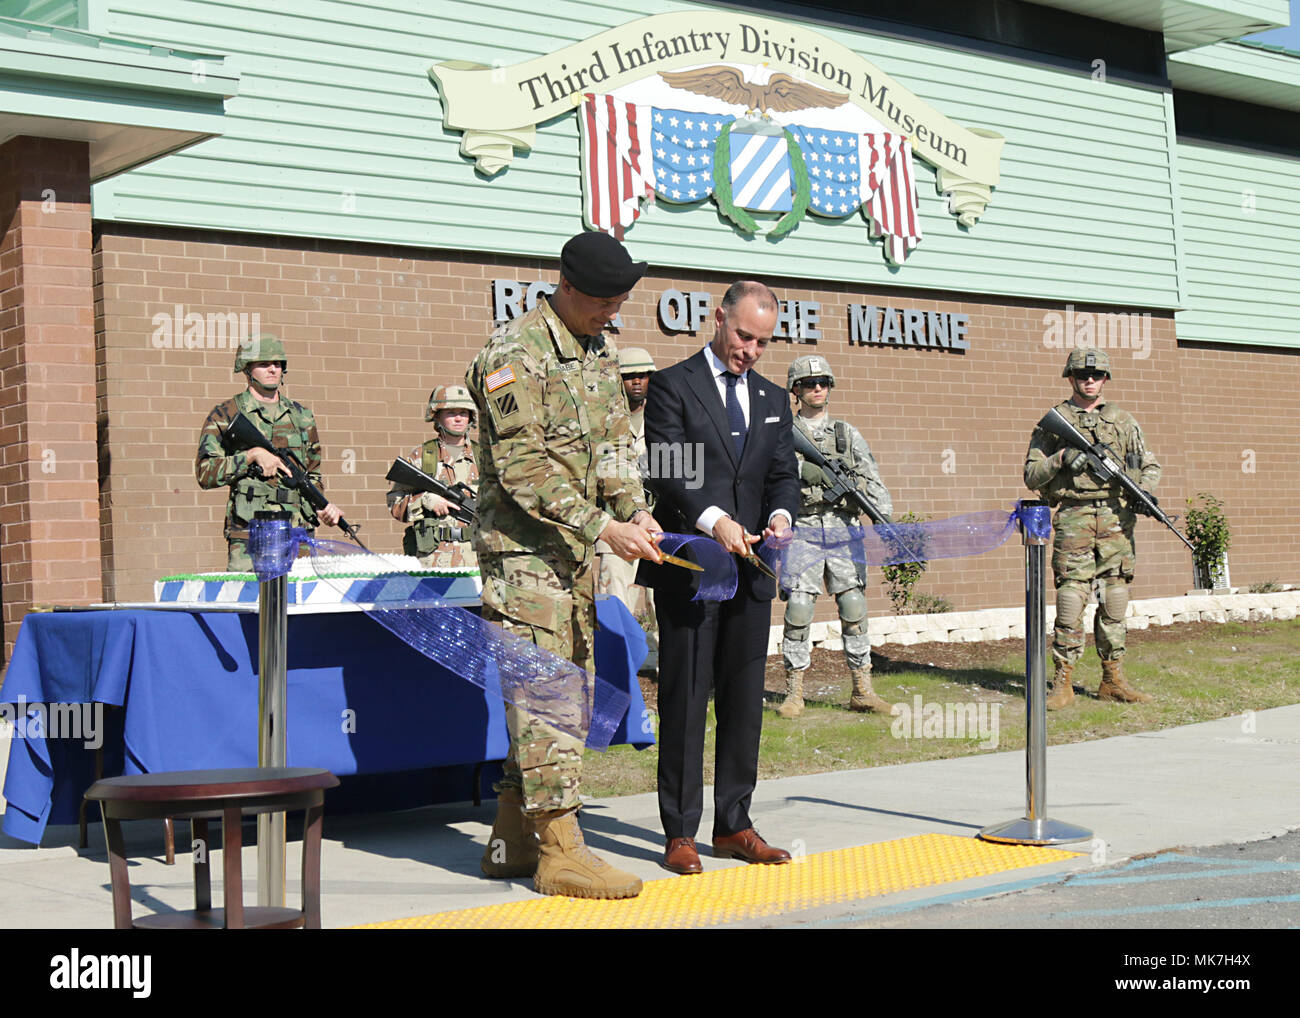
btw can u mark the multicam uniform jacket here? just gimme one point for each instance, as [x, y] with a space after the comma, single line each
[1110, 426]
[552, 419]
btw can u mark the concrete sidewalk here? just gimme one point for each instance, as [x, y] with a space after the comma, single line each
[1236, 779]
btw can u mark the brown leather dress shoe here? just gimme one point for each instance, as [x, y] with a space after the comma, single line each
[681, 857]
[749, 846]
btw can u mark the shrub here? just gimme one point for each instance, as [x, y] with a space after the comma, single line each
[1207, 529]
[901, 579]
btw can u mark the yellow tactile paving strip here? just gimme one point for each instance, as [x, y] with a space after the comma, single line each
[751, 892]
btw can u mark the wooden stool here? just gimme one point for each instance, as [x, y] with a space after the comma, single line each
[200, 796]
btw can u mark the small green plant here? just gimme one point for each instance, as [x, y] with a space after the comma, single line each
[930, 604]
[1266, 587]
[901, 579]
[1207, 529]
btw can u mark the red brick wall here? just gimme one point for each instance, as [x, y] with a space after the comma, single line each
[48, 471]
[371, 330]
[1242, 421]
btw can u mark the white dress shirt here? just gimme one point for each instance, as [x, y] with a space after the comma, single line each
[709, 518]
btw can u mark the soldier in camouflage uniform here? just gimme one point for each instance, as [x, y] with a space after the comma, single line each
[1094, 526]
[547, 389]
[255, 477]
[844, 574]
[618, 577]
[433, 535]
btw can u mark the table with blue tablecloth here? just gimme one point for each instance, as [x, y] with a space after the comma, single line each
[185, 685]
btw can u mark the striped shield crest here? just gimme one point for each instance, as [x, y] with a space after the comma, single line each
[761, 177]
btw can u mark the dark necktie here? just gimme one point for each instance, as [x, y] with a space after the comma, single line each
[735, 416]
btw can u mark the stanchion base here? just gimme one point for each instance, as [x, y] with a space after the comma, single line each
[1035, 832]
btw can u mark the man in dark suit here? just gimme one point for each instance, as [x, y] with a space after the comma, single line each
[737, 425]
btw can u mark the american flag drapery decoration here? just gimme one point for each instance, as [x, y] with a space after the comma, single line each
[632, 152]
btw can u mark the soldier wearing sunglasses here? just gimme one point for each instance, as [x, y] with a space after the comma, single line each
[826, 559]
[1093, 527]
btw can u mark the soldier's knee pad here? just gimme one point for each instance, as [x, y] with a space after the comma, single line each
[852, 605]
[799, 611]
[1071, 600]
[1114, 599]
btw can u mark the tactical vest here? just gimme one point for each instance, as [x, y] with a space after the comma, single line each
[1109, 426]
[835, 444]
[250, 495]
[424, 535]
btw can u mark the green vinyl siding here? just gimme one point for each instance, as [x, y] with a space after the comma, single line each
[64, 13]
[1240, 211]
[337, 133]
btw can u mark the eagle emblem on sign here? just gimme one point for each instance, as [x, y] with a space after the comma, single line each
[756, 142]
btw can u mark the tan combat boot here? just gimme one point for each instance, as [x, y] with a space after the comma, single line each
[793, 705]
[512, 846]
[568, 867]
[1062, 691]
[1113, 686]
[864, 698]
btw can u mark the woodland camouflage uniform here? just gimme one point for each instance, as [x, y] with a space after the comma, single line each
[288, 425]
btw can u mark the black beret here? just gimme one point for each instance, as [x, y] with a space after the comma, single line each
[599, 266]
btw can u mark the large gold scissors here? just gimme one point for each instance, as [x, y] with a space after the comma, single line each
[673, 560]
[758, 563]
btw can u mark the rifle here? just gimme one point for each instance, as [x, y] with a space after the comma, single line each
[242, 434]
[464, 506]
[1106, 469]
[842, 487]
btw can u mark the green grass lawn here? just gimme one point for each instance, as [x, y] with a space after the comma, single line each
[1196, 673]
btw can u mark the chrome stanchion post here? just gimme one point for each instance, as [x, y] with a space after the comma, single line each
[270, 547]
[1035, 522]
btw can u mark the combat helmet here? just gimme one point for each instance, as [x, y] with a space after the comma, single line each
[633, 360]
[449, 397]
[808, 366]
[1081, 359]
[262, 347]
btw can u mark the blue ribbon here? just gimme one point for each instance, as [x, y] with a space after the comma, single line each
[1035, 520]
[547, 686]
[719, 580]
[808, 547]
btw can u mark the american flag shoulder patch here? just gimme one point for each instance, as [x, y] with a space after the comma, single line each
[498, 378]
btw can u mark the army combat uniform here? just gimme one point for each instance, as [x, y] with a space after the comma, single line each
[289, 426]
[1093, 538]
[549, 405]
[841, 572]
[827, 552]
[439, 542]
